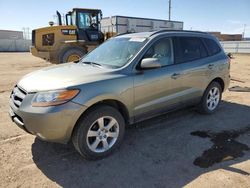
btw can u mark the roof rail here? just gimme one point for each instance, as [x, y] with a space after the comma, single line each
[120, 34]
[166, 30]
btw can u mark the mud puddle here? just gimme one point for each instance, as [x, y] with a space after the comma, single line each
[225, 147]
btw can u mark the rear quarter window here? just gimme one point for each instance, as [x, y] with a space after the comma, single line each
[212, 47]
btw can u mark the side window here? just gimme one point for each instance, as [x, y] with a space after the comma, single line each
[189, 49]
[212, 46]
[162, 50]
[84, 20]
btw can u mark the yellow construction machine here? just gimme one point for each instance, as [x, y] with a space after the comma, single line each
[82, 30]
[68, 42]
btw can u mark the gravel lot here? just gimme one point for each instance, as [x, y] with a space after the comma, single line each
[179, 149]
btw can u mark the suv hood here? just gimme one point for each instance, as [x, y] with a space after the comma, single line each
[63, 76]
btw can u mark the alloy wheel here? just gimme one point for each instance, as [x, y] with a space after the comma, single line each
[213, 98]
[102, 134]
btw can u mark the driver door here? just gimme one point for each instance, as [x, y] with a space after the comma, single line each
[155, 89]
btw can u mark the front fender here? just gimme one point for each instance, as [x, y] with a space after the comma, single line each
[120, 89]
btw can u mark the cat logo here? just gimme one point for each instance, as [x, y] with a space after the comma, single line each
[68, 31]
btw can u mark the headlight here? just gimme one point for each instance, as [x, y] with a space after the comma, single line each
[53, 98]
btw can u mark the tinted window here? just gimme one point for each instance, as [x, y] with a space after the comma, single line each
[162, 50]
[188, 49]
[212, 46]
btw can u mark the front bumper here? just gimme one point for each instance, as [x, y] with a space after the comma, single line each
[54, 124]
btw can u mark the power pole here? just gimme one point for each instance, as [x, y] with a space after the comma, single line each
[244, 30]
[169, 10]
[23, 32]
[28, 33]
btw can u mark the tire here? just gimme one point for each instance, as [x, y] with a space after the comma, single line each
[71, 51]
[214, 93]
[88, 137]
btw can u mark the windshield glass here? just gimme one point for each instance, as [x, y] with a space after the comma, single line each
[115, 52]
[87, 20]
[69, 19]
[73, 18]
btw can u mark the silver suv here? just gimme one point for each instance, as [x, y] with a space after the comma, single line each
[127, 79]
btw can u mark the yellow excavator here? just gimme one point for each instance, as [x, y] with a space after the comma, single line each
[69, 41]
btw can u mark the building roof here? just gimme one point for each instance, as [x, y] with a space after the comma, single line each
[3, 30]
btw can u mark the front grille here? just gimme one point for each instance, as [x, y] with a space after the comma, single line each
[17, 96]
[33, 37]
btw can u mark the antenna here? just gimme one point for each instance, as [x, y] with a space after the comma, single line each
[169, 10]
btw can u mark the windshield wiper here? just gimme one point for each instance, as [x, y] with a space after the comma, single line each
[91, 63]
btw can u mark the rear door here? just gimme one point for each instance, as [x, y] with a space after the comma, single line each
[191, 53]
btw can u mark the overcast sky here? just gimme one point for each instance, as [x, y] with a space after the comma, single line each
[227, 16]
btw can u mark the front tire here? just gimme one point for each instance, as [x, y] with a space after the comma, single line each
[99, 132]
[211, 98]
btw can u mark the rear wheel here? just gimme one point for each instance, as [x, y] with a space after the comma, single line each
[71, 54]
[99, 132]
[211, 98]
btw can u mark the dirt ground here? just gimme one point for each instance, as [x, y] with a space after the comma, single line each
[183, 148]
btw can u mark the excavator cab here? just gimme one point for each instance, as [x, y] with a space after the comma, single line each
[87, 22]
[75, 35]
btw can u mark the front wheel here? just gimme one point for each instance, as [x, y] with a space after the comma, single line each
[71, 54]
[211, 98]
[99, 132]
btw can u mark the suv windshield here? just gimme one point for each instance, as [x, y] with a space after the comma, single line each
[115, 52]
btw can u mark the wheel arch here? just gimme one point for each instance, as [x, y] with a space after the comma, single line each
[220, 81]
[109, 102]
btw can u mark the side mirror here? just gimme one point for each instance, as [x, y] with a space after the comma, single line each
[150, 63]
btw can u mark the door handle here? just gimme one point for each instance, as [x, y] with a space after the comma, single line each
[175, 75]
[210, 66]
